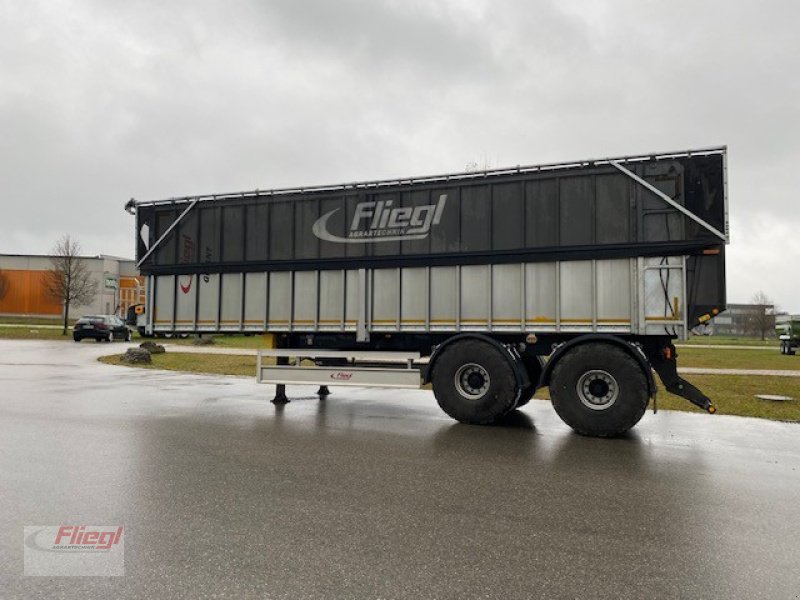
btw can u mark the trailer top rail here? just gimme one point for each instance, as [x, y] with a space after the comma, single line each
[635, 158]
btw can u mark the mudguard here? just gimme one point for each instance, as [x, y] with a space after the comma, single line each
[511, 354]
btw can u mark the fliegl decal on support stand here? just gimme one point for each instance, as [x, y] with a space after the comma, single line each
[379, 222]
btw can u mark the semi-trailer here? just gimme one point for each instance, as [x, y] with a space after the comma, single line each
[575, 276]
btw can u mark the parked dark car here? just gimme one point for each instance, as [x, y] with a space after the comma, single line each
[101, 328]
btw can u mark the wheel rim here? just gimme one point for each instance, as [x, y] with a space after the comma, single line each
[472, 381]
[597, 390]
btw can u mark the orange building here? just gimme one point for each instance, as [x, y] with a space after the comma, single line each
[23, 291]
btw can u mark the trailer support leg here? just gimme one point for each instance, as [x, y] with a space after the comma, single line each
[665, 364]
[280, 395]
[280, 389]
[323, 391]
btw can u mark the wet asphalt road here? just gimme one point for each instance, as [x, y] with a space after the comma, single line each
[376, 494]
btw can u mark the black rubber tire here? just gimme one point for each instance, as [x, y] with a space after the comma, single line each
[128, 336]
[790, 349]
[619, 417]
[499, 398]
[783, 347]
[98, 340]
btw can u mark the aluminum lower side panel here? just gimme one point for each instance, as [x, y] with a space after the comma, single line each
[643, 296]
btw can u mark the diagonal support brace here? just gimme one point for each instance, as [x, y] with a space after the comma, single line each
[167, 232]
[679, 207]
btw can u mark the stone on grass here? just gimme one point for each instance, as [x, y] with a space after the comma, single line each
[205, 340]
[152, 347]
[136, 356]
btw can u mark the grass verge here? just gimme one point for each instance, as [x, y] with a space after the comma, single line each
[213, 364]
[31, 321]
[228, 341]
[30, 333]
[710, 358]
[733, 394]
[715, 340]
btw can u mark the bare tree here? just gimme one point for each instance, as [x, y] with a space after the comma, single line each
[69, 281]
[476, 166]
[4, 285]
[761, 321]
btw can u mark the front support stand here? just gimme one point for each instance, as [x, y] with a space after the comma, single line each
[280, 389]
[665, 364]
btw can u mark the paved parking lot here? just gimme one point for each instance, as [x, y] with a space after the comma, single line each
[376, 494]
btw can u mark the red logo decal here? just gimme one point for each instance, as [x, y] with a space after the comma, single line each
[185, 288]
[77, 537]
[187, 257]
[341, 376]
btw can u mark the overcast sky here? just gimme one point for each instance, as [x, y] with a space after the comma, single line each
[102, 101]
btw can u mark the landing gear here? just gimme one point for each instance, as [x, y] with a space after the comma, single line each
[280, 389]
[280, 395]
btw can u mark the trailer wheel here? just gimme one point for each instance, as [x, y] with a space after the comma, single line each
[789, 349]
[474, 382]
[783, 347]
[599, 390]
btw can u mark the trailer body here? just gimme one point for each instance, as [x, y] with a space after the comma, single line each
[530, 257]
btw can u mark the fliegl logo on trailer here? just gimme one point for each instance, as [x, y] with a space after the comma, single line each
[381, 222]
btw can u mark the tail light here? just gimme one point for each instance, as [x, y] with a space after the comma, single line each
[100, 325]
